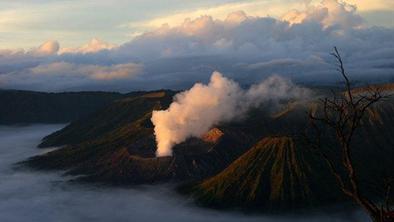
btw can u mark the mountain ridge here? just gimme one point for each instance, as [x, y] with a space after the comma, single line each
[121, 151]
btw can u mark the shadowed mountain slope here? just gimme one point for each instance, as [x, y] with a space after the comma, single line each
[120, 113]
[275, 173]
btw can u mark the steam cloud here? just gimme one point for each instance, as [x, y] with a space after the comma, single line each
[196, 110]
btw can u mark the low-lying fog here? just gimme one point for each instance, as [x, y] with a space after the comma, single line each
[41, 196]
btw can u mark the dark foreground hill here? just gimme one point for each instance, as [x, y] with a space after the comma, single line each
[257, 163]
[18, 106]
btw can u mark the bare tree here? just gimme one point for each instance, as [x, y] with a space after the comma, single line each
[343, 114]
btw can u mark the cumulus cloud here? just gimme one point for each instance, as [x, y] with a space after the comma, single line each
[47, 48]
[196, 110]
[241, 33]
[329, 13]
[234, 44]
[95, 45]
[247, 48]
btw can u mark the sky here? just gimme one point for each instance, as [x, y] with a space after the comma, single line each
[25, 23]
[123, 45]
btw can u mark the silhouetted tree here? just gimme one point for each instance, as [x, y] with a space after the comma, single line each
[343, 114]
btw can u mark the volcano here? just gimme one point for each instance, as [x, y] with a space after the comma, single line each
[257, 162]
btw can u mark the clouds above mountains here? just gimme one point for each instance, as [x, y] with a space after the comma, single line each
[247, 48]
[96, 72]
[328, 14]
[47, 48]
[95, 45]
[63, 75]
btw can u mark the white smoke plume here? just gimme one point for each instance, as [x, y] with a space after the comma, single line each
[195, 111]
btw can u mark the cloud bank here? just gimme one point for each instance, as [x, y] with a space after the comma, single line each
[119, 71]
[27, 195]
[198, 109]
[69, 75]
[95, 45]
[246, 48]
[329, 14]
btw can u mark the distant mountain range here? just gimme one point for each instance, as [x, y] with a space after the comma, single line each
[259, 163]
[17, 106]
